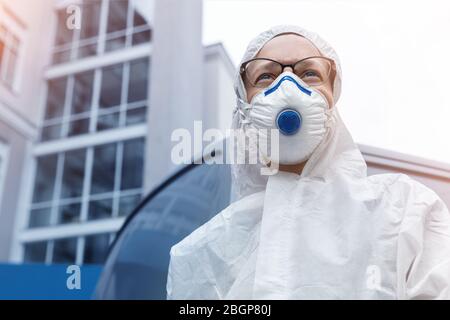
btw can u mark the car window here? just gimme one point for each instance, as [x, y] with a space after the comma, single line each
[137, 265]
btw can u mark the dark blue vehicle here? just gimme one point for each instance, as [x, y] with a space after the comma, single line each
[137, 264]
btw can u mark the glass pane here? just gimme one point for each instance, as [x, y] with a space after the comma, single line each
[82, 92]
[96, 248]
[35, 251]
[39, 218]
[69, 213]
[128, 203]
[45, 178]
[63, 34]
[55, 98]
[137, 115]
[108, 121]
[138, 85]
[64, 250]
[100, 209]
[117, 24]
[87, 49]
[103, 170]
[132, 166]
[73, 175]
[51, 132]
[142, 37]
[78, 127]
[61, 56]
[111, 88]
[115, 41]
[138, 19]
[91, 18]
[117, 16]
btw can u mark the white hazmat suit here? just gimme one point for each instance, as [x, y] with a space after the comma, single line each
[330, 233]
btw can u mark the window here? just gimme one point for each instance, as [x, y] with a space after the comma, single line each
[81, 103]
[73, 173]
[117, 25]
[90, 11]
[44, 183]
[9, 53]
[79, 188]
[115, 184]
[122, 100]
[65, 250]
[63, 186]
[36, 251]
[104, 164]
[96, 248]
[125, 26]
[64, 37]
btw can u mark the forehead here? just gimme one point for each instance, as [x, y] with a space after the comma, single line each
[288, 48]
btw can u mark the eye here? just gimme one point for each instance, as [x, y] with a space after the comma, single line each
[310, 73]
[265, 77]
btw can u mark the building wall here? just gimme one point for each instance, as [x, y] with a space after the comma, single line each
[219, 98]
[29, 21]
[16, 148]
[19, 104]
[435, 175]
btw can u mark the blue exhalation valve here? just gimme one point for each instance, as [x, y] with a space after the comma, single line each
[289, 122]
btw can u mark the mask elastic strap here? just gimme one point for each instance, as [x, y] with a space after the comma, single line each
[329, 123]
[242, 108]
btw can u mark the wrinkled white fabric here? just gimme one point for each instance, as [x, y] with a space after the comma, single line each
[330, 233]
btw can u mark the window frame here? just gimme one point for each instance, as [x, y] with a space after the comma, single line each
[22, 235]
[12, 30]
[66, 118]
[74, 46]
[85, 227]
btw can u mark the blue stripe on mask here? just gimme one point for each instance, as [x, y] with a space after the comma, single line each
[289, 78]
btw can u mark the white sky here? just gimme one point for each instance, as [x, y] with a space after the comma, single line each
[395, 58]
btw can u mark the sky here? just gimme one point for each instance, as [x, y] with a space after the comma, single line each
[395, 57]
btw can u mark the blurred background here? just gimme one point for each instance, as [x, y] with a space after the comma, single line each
[90, 91]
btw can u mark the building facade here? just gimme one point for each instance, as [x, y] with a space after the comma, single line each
[83, 162]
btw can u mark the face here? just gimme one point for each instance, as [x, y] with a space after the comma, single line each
[288, 49]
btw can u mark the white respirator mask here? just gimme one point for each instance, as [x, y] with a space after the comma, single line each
[300, 113]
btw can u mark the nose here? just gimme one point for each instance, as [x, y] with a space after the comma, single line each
[287, 68]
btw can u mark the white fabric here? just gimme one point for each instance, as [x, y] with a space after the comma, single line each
[330, 233]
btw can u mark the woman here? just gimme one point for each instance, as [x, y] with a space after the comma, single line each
[320, 228]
